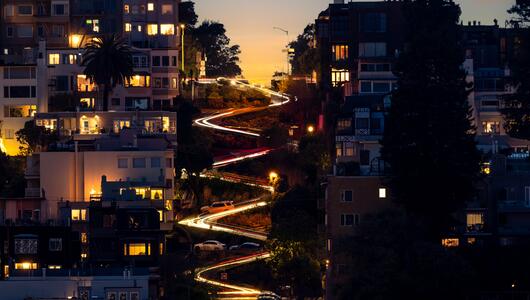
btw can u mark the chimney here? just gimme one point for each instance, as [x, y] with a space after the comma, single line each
[338, 1]
[496, 22]
[474, 23]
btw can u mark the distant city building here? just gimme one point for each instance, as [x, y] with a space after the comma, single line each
[42, 47]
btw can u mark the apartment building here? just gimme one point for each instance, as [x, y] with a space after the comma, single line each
[359, 42]
[63, 284]
[33, 247]
[48, 37]
[18, 102]
[80, 165]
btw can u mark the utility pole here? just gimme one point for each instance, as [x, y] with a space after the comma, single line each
[287, 71]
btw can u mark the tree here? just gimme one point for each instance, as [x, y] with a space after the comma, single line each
[186, 112]
[107, 62]
[12, 181]
[187, 13]
[306, 57]
[33, 137]
[429, 141]
[517, 105]
[392, 257]
[193, 157]
[223, 59]
[313, 157]
[294, 242]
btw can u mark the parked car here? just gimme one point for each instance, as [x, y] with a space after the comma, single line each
[268, 296]
[209, 246]
[217, 207]
[245, 248]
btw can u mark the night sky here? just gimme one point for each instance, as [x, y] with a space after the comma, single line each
[250, 22]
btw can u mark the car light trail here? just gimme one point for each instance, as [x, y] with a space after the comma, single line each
[207, 221]
[204, 122]
[236, 290]
[228, 161]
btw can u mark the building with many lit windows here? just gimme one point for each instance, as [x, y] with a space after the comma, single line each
[359, 41]
[48, 36]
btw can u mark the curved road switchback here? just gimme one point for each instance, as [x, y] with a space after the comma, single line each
[209, 221]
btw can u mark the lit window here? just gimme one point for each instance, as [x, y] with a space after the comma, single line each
[152, 29]
[139, 28]
[339, 76]
[167, 29]
[84, 255]
[157, 194]
[382, 193]
[475, 221]
[126, 8]
[53, 58]
[54, 267]
[84, 84]
[167, 9]
[450, 243]
[84, 237]
[72, 59]
[139, 81]
[340, 52]
[492, 127]
[161, 215]
[150, 6]
[93, 24]
[26, 266]
[78, 214]
[161, 249]
[128, 27]
[137, 249]
[141, 192]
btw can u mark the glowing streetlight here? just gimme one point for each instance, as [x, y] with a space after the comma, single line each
[273, 176]
[310, 129]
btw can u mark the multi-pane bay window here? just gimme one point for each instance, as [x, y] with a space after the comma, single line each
[372, 49]
[339, 76]
[339, 52]
[139, 81]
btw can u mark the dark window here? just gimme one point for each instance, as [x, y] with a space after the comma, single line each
[373, 22]
[165, 61]
[61, 83]
[174, 61]
[347, 196]
[115, 102]
[339, 26]
[365, 157]
[9, 31]
[156, 61]
[21, 91]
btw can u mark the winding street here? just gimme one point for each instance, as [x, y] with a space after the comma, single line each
[209, 221]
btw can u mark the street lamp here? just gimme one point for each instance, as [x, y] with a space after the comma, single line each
[182, 27]
[287, 46]
[310, 129]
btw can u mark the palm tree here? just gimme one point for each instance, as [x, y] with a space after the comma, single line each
[107, 62]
